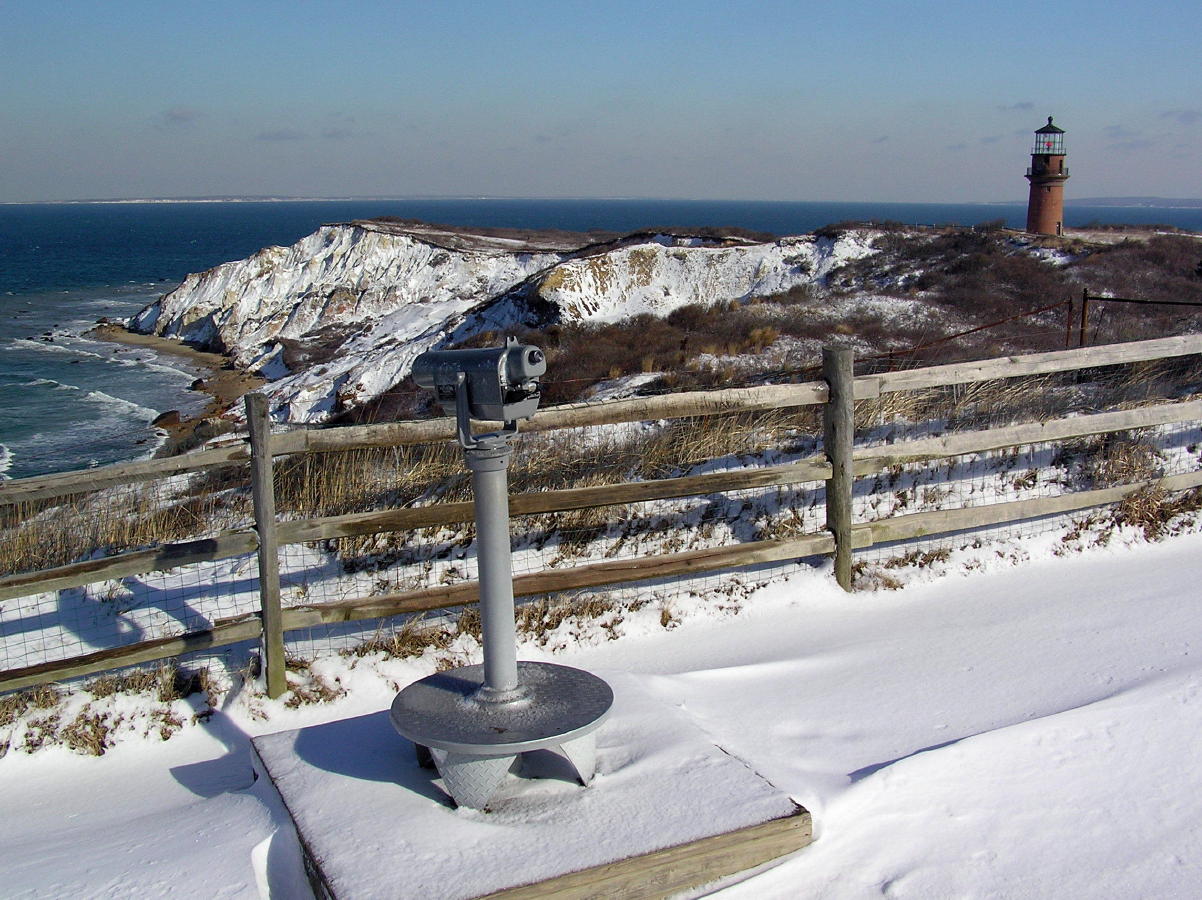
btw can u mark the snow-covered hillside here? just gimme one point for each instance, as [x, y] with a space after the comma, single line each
[363, 299]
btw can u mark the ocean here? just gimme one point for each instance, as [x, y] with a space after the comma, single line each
[69, 402]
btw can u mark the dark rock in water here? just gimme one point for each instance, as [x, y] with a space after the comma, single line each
[168, 419]
[197, 385]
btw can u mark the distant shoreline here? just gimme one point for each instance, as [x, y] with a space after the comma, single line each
[1084, 202]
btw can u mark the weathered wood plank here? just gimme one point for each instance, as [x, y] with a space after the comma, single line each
[942, 521]
[44, 487]
[673, 870]
[572, 415]
[222, 633]
[873, 459]
[137, 562]
[553, 580]
[813, 469]
[1033, 364]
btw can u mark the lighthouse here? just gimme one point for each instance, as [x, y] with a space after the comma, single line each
[1047, 174]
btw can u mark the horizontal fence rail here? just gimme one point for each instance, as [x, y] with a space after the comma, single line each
[864, 461]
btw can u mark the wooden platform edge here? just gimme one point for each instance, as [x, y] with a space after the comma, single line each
[663, 873]
[321, 888]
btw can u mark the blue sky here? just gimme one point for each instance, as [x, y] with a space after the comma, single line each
[931, 101]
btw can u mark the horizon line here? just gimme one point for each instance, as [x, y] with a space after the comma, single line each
[1151, 200]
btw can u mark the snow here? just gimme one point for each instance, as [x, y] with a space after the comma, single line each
[1023, 732]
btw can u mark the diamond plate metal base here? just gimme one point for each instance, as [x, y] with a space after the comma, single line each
[471, 780]
[582, 754]
[473, 741]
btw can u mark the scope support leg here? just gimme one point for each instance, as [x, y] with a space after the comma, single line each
[488, 461]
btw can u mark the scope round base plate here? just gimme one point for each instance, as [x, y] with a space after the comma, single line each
[560, 704]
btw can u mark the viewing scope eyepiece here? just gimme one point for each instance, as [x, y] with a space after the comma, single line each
[500, 383]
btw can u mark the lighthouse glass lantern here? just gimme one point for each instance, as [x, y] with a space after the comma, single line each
[1049, 141]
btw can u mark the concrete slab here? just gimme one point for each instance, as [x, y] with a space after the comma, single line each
[376, 825]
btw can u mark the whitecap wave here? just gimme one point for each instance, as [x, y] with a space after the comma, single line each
[144, 359]
[51, 347]
[6, 462]
[52, 384]
[126, 406]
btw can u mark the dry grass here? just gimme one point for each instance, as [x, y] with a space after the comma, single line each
[307, 686]
[39, 717]
[413, 638]
[44, 534]
[540, 618]
[1157, 513]
[330, 484]
[1108, 460]
[14, 706]
[167, 683]
[90, 732]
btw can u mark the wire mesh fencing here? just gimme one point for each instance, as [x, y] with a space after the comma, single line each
[1027, 471]
[92, 526]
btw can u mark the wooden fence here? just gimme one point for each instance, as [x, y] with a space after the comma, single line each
[838, 466]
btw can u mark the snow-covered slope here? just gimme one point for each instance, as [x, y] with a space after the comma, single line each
[383, 292]
[661, 274]
[362, 300]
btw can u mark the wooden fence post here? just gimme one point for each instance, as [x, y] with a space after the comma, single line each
[838, 424]
[263, 493]
[1084, 316]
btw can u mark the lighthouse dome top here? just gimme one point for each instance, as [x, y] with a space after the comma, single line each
[1049, 141]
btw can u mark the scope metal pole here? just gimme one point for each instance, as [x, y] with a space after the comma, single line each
[488, 461]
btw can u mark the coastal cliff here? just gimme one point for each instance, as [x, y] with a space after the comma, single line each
[337, 318]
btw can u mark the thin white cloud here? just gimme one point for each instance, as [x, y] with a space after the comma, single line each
[177, 117]
[280, 135]
[1183, 116]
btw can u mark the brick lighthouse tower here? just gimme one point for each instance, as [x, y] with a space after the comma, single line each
[1045, 208]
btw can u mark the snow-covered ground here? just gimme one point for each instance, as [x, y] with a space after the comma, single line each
[1023, 731]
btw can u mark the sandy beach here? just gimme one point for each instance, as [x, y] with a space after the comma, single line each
[224, 384]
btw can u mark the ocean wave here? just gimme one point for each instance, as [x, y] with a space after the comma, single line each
[127, 406]
[6, 462]
[50, 347]
[50, 383]
[75, 345]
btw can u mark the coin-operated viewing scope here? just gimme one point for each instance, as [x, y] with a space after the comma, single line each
[473, 722]
[497, 384]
